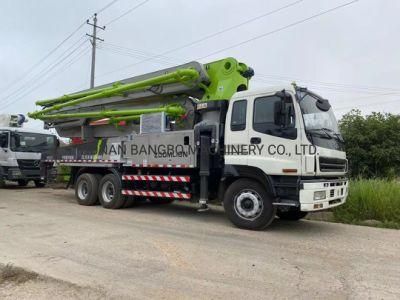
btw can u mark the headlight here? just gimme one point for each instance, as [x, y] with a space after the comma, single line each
[319, 195]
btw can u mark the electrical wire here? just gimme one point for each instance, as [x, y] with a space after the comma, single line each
[214, 34]
[142, 52]
[29, 71]
[52, 76]
[39, 75]
[107, 6]
[127, 12]
[134, 55]
[46, 75]
[331, 84]
[280, 29]
[366, 105]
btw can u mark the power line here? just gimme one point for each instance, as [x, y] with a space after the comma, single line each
[39, 75]
[134, 54]
[209, 36]
[145, 53]
[29, 71]
[127, 12]
[62, 69]
[44, 58]
[107, 6]
[324, 87]
[366, 105]
[45, 70]
[333, 84]
[281, 28]
[13, 101]
[45, 76]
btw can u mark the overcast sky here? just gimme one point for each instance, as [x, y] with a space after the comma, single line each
[350, 56]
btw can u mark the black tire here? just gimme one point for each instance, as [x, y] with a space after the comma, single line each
[291, 214]
[22, 182]
[256, 204]
[86, 188]
[110, 192]
[39, 184]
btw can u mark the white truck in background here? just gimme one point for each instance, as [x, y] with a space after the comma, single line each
[21, 151]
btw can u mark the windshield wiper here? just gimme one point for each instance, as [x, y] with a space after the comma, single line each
[329, 133]
[326, 131]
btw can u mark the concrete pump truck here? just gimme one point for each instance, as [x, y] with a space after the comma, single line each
[195, 132]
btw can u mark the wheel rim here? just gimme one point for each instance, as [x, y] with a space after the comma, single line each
[108, 191]
[83, 190]
[248, 204]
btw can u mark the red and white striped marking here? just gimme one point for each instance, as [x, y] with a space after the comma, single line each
[84, 161]
[161, 166]
[156, 178]
[159, 194]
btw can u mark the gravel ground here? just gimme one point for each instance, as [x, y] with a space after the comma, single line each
[173, 252]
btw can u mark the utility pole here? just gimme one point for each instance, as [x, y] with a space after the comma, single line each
[93, 42]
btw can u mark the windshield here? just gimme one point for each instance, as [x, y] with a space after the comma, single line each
[321, 126]
[32, 142]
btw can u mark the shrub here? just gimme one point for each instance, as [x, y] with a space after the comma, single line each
[372, 199]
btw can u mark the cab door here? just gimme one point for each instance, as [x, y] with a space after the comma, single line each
[237, 132]
[4, 147]
[274, 132]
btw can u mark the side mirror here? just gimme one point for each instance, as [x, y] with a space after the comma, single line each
[323, 104]
[283, 113]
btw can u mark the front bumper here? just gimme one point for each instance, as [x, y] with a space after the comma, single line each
[20, 174]
[336, 194]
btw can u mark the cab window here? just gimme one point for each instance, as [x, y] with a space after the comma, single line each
[4, 139]
[274, 117]
[238, 119]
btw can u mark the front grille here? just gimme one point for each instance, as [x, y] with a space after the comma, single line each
[28, 164]
[330, 164]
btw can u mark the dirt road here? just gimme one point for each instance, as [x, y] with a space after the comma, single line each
[173, 252]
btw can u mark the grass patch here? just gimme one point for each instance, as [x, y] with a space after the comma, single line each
[10, 273]
[373, 202]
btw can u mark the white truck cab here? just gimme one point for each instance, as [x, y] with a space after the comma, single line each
[21, 151]
[293, 139]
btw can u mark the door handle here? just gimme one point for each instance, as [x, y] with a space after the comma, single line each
[255, 140]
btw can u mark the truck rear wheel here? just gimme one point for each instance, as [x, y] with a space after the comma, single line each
[22, 182]
[39, 183]
[110, 192]
[86, 188]
[248, 205]
[291, 214]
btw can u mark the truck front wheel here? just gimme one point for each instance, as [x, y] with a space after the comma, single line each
[248, 205]
[86, 188]
[110, 192]
[39, 183]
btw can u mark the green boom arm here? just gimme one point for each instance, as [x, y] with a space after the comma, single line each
[226, 77]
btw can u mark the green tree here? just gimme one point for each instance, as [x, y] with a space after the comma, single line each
[372, 144]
